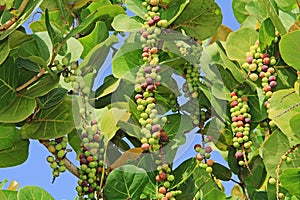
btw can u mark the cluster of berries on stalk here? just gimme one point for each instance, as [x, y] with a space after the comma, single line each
[147, 81]
[204, 153]
[262, 69]
[58, 147]
[91, 161]
[241, 120]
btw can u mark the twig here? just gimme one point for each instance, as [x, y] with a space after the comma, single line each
[10, 22]
[33, 79]
[298, 4]
[279, 165]
[69, 165]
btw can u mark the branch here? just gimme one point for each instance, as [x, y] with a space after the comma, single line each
[10, 22]
[69, 165]
[279, 165]
[42, 71]
[298, 4]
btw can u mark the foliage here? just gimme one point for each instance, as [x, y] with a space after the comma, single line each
[178, 71]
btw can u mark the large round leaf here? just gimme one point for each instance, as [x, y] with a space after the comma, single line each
[290, 50]
[7, 135]
[126, 182]
[200, 19]
[34, 192]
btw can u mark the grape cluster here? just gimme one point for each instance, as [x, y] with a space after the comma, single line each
[67, 69]
[58, 148]
[241, 120]
[203, 154]
[192, 86]
[261, 67]
[91, 161]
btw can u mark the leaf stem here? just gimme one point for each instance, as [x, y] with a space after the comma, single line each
[279, 165]
[69, 165]
[33, 79]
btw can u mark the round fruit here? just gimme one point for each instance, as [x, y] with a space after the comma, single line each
[272, 181]
[209, 170]
[253, 77]
[162, 190]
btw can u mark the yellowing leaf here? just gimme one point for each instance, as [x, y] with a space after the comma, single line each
[131, 154]
[13, 186]
[237, 192]
[221, 34]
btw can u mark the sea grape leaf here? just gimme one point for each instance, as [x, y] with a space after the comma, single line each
[126, 61]
[200, 19]
[34, 192]
[263, 9]
[18, 109]
[52, 98]
[266, 33]
[275, 146]
[136, 7]
[109, 120]
[125, 182]
[246, 38]
[98, 35]
[125, 23]
[289, 50]
[7, 135]
[52, 122]
[284, 105]
[221, 172]
[16, 154]
[96, 57]
[8, 82]
[239, 10]
[290, 180]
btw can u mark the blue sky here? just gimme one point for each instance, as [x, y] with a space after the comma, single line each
[36, 171]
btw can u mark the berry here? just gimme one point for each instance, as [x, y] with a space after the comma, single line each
[209, 170]
[272, 181]
[162, 190]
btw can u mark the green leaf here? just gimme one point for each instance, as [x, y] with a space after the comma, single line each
[7, 135]
[52, 122]
[200, 19]
[136, 7]
[34, 192]
[126, 61]
[276, 145]
[290, 180]
[131, 129]
[263, 9]
[17, 38]
[284, 105]
[256, 179]
[289, 50]
[45, 84]
[8, 195]
[219, 57]
[266, 33]
[232, 161]
[28, 65]
[16, 154]
[8, 83]
[18, 109]
[75, 141]
[109, 120]
[208, 187]
[126, 182]
[126, 23]
[178, 123]
[4, 51]
[175, 8]
[98, 35]
[286, 5]
[239, 10]
[109, 86]
[295, 126]
[246, 38]
[183, 172]
[53, 32]
[260, 195]
[221, 172]
[52, 98]
[29, 9]
[96, 57]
